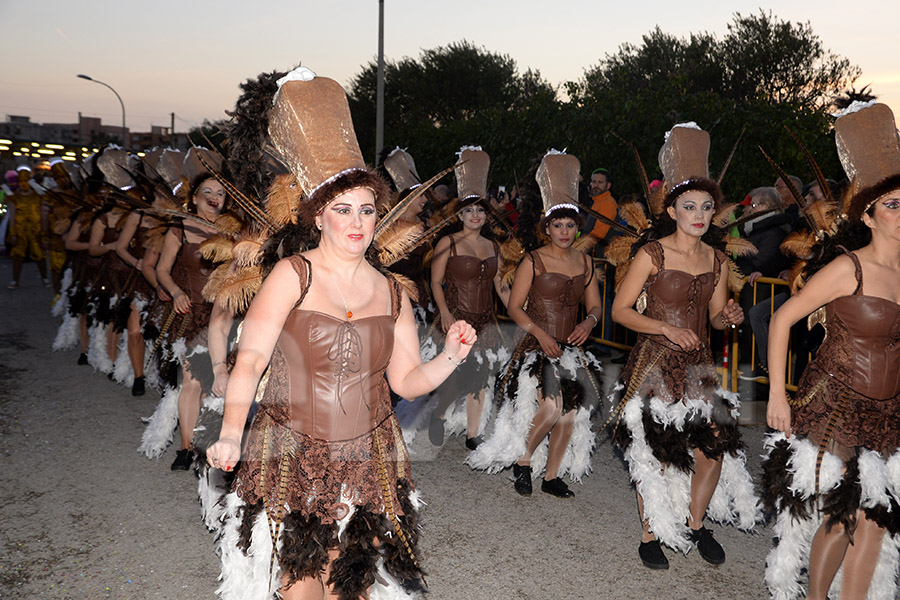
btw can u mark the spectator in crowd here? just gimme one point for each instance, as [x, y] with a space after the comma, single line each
[766, 232]
[602, 203]
[791, 209]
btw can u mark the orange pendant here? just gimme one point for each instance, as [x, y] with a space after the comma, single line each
[349, 314]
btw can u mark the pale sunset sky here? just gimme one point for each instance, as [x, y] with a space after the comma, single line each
[188, 56]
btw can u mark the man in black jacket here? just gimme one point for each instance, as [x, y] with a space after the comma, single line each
[766, 232]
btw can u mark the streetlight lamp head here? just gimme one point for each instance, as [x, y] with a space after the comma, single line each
[81, 76]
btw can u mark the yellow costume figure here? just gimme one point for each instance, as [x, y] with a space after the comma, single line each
[25, 230]
[26, 225]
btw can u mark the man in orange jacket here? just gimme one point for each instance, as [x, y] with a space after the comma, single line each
[603, 203]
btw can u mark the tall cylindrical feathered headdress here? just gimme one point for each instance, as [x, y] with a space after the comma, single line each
[869, 149]
[684, 161]
[557, 178]
[472, 173]
[402, 168]
[311, 128]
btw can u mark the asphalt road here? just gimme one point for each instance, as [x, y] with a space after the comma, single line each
[83, 516]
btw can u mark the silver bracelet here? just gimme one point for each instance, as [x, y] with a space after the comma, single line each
[450, 358]
[594, 317]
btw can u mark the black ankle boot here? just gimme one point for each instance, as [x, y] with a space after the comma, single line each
[183, 460]
[137, 388]
[710, 550]
[652, 555]
[557, 487]
[472, 443]
[82, 359]
[523, 479]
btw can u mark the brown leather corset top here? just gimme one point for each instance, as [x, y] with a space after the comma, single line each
[194, 270]
[473, 279]
[336, 373]
[138, 245]
[679, 298]
[862, 348]
[553, 299]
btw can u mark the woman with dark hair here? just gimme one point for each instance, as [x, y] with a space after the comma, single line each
[546, 389]
[134, 250]
[322, 504]
[674, 423]
[113, 274]
[183, 271]
[465, 267]
[835, 483]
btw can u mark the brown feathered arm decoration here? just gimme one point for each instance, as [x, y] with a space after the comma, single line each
[283, 199]
[799, 244]
[247, 250]
[584, 243]
[233, 287]
[217, 249]
[723, 217]
[512, 252]
[736, 246]
[408, 285]
[633, 214]
[396, 242]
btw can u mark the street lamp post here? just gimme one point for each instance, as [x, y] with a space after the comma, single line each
[82, 76]
[379, 86]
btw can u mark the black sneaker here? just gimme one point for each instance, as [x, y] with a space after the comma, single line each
[472, 443]
[523, 479]
[710, 550]
[137, 388]
[183, 460]
[652, 555]
[557, 487]
[82, 359]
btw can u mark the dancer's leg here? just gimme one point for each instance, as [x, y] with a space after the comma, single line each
[861, 559]
[703, 485]
[560, 436]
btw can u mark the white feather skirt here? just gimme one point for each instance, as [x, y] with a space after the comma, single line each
[246, 576]
[666, 491]
[879, 483]
[506, 442]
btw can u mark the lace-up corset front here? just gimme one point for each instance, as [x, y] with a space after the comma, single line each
[553, 300]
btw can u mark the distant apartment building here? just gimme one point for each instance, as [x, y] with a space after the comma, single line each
[87, 132]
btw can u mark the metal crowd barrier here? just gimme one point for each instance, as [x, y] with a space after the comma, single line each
[725, 344]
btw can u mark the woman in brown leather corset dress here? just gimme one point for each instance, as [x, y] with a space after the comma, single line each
[833, 468]
[132, 248]
[110, 283]
[322, 504]
[547, 389]
[183, 272]
[676, 426]
[464, 271]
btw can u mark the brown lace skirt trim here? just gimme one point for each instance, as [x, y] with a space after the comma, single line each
[655, 369]
[826, 410]
[293, 472]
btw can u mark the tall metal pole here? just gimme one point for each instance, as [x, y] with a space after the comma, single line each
[379, 88]
[122, 104]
